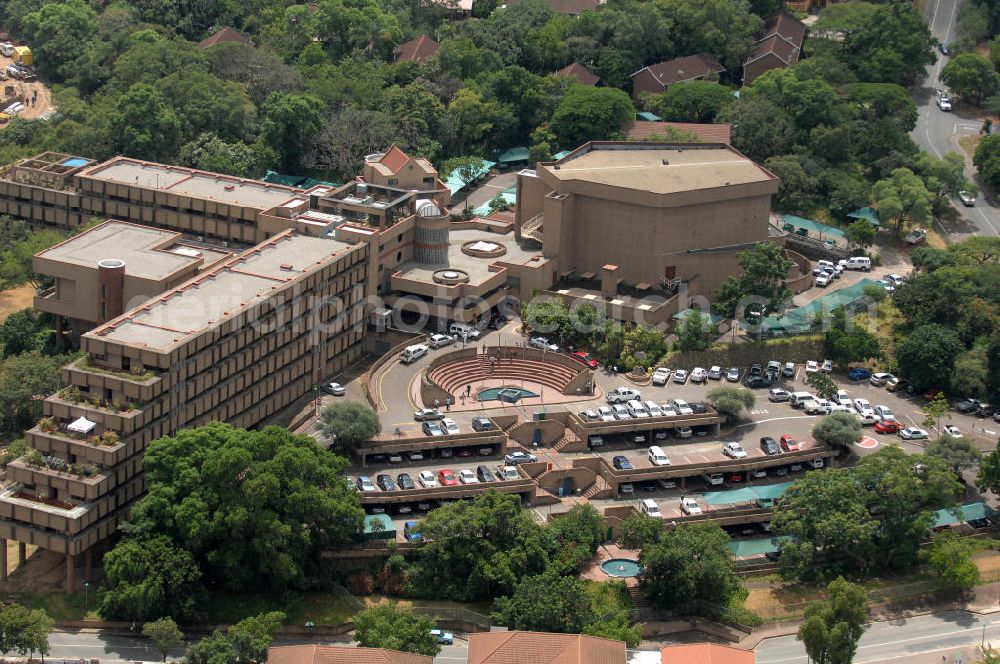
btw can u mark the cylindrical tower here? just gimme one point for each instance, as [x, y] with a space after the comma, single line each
[111, 281]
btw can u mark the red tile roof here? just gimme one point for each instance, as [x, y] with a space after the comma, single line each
[687, 68]
[341, 655]
[777, 46]
[226, 34]
[709, 133]
[394, 159]
[580, 73]
[705, 653]
[416, 50]
[543, 648]
[787, 26]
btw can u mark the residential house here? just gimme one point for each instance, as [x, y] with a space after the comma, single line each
[310, 654]
[416, 50]
[654, 79]
[577, 71]
[780, 45]
[705, 653]
[226, 34]
[515, 647]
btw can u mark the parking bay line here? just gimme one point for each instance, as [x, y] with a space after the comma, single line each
[775, 419]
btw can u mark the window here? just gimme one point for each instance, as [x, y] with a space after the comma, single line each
[399, 256]
[393, 182]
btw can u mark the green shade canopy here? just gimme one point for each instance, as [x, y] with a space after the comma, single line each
[947, 517]
[559, 155]
[814, 228]
[648, 117]
[371, 532]
[800, 320]
[455, 183]
[300, 181]
[713, 319]
[747, 494]
[756, 547]
[868, 214]
[513, 155]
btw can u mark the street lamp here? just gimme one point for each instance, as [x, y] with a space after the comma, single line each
[86, 595]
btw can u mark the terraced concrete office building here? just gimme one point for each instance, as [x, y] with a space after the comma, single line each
[236, 343]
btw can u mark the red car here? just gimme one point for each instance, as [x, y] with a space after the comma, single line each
[932, 394]
[789, 444]
[734, 478]
[464, 452]
[447, 478]
[586, 359]
[887, 426]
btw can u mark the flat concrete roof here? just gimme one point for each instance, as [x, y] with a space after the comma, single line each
[149, 253]
[213, 296]
[658, 167]
[476, 267]
[197, 184]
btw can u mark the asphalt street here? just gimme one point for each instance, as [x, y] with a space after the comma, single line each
[884, 641]
[937, 131]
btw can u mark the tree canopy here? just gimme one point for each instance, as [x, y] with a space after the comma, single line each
[832, 627]
[389, 626]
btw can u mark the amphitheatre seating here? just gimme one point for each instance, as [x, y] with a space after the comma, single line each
[454, 376]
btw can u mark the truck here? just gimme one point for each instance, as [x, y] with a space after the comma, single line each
[916, 236]
[6, 49]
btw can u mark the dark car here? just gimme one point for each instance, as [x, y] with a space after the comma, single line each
[858, 373]
[756, 370]
[484, 474]
[944, 49]
[482, 424]
[385, 482]
[757, 382]
[986, 410]
[621, 463]
[769, 446]
[697, 408]
[979, 523]
[966, 406]
[405, 481]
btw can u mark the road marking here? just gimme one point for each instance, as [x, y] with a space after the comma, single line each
[775, 419]
[759, 412]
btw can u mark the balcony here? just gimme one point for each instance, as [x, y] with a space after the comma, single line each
[52, 436]
[134, 386]
[59, 480]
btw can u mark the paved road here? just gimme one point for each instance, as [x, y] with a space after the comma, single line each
[906, 637]
[937, 131]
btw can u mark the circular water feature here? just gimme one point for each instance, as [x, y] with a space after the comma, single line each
[507, 394]
[621, 567]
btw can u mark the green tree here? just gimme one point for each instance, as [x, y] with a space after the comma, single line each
[935, 409]
[987, 160]
[861, 234]
[723, 29]
[877, 101]
[497, 204]
[890, 44]
[950, 556]
[858, 345]
[809, 102]
[832, 627]
[165, 635]
[639, 531]
[57, 31]
[760, 128]
[825, 386]
[24, 631]
[696, 332]
[468, 169]
[590, 114]
[25, 380]
[144, 124]
[208, 152]
[902, 199]
[251, 506]
[16, 261]
[388, 626]
[798, 188]
[548, 602]
[971, 373]
[730, 401]
[989, 472]
[691, 101]
[25, 330]
[149, 578]
[581, 526]
[290, 122]
[245, 642]
[690, 570]
[958, 453]
[838, 430]
[971, 76]
[764, 268]
[976, 250]
[927, 356]
[348, 424]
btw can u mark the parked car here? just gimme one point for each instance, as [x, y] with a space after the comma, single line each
[427, 479]
[681, 407]
[542, 343]
[944, 103]
[683, 432]
[447, 477]
[586, 359]
[589, 415]
[985, 410]
[410, 532]
[605, 414]
[952, 430]
[733, 375]
[405, 481]
[623, 395]
[466, 476]
[879, 379]
[480, 423]
[827, 366]
[966, 406]
[621, 463]
[626, 488]
[621, 412]
[699, 375]
[450, 426]
[812, 366]
[433, 428]
[778, 395]
[757, 382]
[913, 433]
[515, 458]
[968, 198]
[887, 427]
[788, 370]
[661, 376]
[859, 373]
[443, 638]
[336, 389]
[916, 236]
[385, 482]
[715, 373]
[884, 412]
[734, 450]
[769, 446]
[416, 455]
[843, 398]
[894, 384]
[789, 444]
[484, 474]
[680, 376]
[823, 279]
[690, 506]
[364, 483]
[440, 340]
[426, 414]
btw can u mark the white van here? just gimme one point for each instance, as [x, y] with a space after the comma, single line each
[412, 353]
[799, 399]
[658, 457]
[636, 409]
[650, 508]
[858, 263]
[463, 331]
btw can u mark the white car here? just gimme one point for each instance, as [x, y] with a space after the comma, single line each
[467, 477]
[684, 432]
[733, 375]
[440, 340]
[542, 343]
[621, 412]
[967, 198]
[888, 285]
[879, 379]
[606, 414]
[823, 279]
[916, 236]
[817, 407]
[913, 433]
[336, 389]
[827, 366]
[623, 395]
[812, 366]
[699, 375]
[884, 412]
[839, 408]
[734, 450]
[680, 376]
[944, 103]
[450, 427]
[823, 266]
[427, 479]
[843, 398]
[690, 505]
[896, 279]
[661, 376]
[715, 373]
[667, 410]
[952, 430]
[863, 406]
[681, 407]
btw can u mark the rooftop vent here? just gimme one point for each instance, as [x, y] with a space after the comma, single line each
[229, 187]
[666, 162]
[286, 266]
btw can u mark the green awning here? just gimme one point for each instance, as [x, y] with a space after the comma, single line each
[300, 181]
[648, 117]
[713, 319]
[947, 517]
[387, 531]
[513, 155]
[801, 319]
[756, 547]
[455, 183]
[747, 494]
[814, 228]
[559, 155]
[868, 214]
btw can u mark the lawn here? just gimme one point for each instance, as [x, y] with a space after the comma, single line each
[318, 608]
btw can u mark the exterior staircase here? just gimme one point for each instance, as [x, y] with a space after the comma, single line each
[600, 486]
